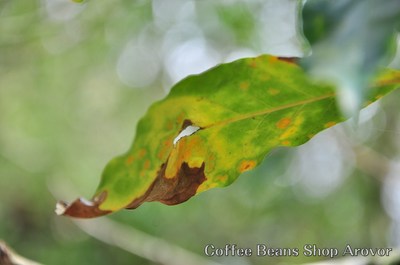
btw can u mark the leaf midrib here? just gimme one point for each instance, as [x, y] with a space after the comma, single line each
[268, 111]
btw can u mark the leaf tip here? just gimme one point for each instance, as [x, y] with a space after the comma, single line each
[82, 208]
[60, 207]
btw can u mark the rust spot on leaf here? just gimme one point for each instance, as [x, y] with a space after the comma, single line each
[146, 164]
[292, 60]
[170, 125]
[253, 63]
[222, 178]
[273, 91]
[247, 165]
[272, 59]
[244, 85]
[164, 149]
[142, 153]
[286, 142]
[181, 118]
[283, 123]
[129, 160]
[175, 190]
[367, 103]
[329, 124]
[211, 162]
[145, 168]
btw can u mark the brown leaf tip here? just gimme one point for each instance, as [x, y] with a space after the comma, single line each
[61, 207]
[82, 208]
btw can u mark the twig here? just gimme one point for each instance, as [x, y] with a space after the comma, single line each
[140, 243]
[128, 238]
[9, 257]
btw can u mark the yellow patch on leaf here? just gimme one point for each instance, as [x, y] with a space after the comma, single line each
[165, 149]
[293, 128]
[206, 186]
[329, 124]
[188, 149]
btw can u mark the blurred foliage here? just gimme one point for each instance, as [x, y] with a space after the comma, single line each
[350, 40]
[75, 78]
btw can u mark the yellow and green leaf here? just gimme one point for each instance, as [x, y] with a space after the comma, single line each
[237, 112]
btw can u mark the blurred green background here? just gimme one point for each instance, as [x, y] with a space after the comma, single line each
[75, 79]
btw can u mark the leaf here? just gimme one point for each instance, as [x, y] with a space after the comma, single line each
[227, 120]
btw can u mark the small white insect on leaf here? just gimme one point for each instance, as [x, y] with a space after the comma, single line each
[189, 130]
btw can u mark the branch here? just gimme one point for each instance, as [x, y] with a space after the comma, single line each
[140, 243]
[9, 257]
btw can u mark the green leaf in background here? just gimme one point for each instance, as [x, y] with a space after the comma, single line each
[350, 40]
[214, 126]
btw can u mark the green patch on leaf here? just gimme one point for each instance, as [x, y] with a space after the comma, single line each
[214, 126]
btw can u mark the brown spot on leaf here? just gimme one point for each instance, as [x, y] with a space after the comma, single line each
[186, 123]
[247, 165]
[283, 123]
[175, 190]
